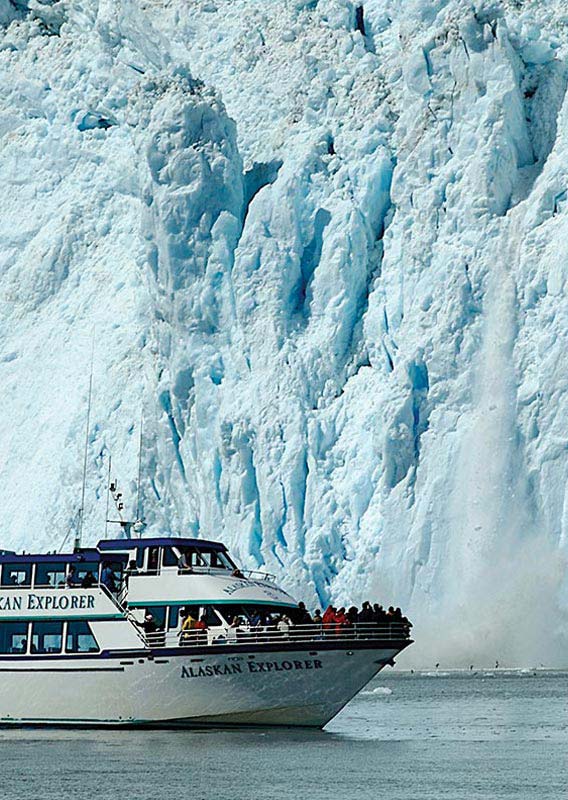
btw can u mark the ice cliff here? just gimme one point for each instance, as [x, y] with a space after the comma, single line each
[322, 250]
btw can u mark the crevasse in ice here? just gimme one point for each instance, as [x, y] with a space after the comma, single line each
[321, 248]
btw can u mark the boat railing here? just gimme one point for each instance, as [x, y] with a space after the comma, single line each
[258, 575]
[251, 574]
[270, 634]
[118, 597]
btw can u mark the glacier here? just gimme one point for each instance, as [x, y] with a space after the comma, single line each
[320, 248]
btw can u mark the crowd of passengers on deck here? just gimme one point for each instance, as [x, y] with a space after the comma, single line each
[368, 621]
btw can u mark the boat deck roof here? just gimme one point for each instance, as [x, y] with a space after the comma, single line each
[106, 545]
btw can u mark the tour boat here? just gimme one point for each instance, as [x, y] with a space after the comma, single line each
[78, 647]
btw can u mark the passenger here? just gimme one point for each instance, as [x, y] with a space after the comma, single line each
[23, 646]
[201, 629]
[341, 621]
[366, 613]
[283, 626]
[186, 633]
[149, 624]
[88, 580]
[153, 559]
[233, 630]
[256, 620]
[201, 624]
[304, 616]
[353, 615]
[70, 580]
[152, 631]
[184, 563]
[405, 621]
[107, 577]
[328, 619]
[379, 615]
[317, 618]
[131, 569]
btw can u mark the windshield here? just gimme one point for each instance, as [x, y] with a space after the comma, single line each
[193, 557]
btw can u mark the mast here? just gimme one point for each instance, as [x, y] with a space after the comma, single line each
[79, 532]
[139, 468]
[108, 494]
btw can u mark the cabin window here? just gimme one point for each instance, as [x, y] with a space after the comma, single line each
[50, 574]
[80, 638]
[173, 618]
[13, 637]
[140, 552]
[16, 574]
[169, 558]
[221, 561]
[196, 558]
[204, 559]
[47, 637]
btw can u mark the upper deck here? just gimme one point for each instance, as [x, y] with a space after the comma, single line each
[134, 573]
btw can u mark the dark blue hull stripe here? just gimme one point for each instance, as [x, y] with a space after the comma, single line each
[63, 669]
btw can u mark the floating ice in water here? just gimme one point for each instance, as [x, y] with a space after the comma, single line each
[378, 690]
[436, 674]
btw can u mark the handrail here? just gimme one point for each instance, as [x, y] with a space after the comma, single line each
[269, 634]
[122, 594]
[258, 575]
[252, 574]
[116, 598]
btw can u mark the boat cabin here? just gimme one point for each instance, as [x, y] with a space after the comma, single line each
[62, 603]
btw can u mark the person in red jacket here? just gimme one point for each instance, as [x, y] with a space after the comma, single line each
[328, 618]
[201, 629]
[341, 621]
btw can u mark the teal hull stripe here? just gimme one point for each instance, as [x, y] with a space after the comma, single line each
[67, 721]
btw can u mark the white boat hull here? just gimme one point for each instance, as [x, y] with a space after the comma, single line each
[269, 686]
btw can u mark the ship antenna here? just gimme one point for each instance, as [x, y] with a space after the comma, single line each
[139, 469]
[108, 494]
[82, 509]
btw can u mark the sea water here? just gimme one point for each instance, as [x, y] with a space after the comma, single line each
[474, 734]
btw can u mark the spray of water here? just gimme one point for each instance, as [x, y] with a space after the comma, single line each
[503, 573]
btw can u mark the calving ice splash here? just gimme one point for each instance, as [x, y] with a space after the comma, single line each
[169, 631]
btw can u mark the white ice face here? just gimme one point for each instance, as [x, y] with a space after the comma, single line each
[323, 252]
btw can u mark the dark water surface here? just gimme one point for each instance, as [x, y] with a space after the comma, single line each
[427, 735]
